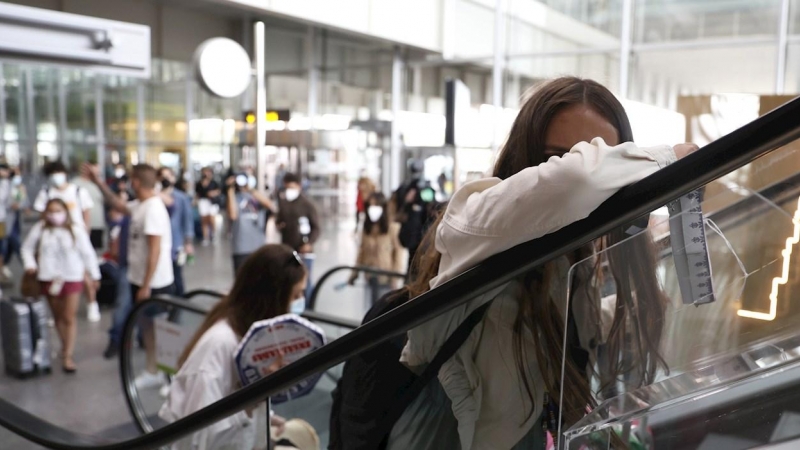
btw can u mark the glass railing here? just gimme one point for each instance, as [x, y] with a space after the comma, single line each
[680, 362]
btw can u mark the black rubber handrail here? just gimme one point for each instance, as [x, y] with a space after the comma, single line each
[312, 301]
[728, 153]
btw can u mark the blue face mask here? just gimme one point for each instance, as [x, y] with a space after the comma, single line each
[298, 306]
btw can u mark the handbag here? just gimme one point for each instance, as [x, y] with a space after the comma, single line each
[29, 286]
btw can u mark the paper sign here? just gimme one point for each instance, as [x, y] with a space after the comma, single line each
[171, 340]
[288, 336]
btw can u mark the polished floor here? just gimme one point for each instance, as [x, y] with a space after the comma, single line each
[92, 401]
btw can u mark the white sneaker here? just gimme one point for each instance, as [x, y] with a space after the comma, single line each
[7, 272]
[164, 391]
[93, 312]
[147, 380]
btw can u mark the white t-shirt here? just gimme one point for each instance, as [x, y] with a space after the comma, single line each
[208, 375]
[149, 218]
[77, 200]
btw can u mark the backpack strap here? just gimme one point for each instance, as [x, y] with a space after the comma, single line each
[450, 347]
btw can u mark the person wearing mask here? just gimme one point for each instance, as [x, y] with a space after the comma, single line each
[568, 151]
[181, 217]
[207, 191]
[97, 231]
[269, 282]
[248, 211]
[19, 203]
[380, 247]
[149, 253]
[60, 253]
[298, 222]
[80, 204]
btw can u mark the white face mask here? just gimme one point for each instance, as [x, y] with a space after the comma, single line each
[292, 194]
[58, 179]
[251, 182]
[119, 172]
[375, 213]
[298, 306]
[17, 180]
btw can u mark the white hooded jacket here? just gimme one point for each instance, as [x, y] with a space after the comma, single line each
[486, 217]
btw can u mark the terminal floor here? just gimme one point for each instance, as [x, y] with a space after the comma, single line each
[92, 401]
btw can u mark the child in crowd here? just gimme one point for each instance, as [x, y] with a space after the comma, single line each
[268, 282]
[60, 252]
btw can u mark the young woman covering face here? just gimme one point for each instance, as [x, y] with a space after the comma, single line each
[568, 151]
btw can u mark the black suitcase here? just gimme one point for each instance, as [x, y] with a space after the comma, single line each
[26, 336]
[107, 294]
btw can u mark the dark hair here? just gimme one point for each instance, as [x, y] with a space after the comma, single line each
[638, 322]
[262, 290]
[162, 169]
[290, 178]
[383, 224]
[54, 167]
[146, 174]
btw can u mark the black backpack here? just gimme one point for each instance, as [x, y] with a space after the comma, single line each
[376, 388]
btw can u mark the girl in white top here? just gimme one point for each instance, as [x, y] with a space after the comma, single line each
[266, 285]
[60, 252]
[568, 151]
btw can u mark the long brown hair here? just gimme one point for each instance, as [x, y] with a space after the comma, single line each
[377, 199]
[262, 290]
[633, 341]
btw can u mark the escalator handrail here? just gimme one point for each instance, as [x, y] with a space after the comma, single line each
[726, 154]
[312, 301]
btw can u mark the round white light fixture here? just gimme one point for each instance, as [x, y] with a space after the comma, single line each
[223, 67]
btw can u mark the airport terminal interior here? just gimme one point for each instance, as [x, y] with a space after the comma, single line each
[390, 224]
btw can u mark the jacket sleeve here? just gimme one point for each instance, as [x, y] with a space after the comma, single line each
[188, 218]
[89, 257]
[488, 216]
[28, 250]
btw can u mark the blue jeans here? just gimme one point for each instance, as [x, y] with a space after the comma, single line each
[309, 263]
[124, 304]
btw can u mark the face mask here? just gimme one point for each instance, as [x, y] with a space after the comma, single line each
[375, 213]
[57, 218]
[298, 306]
[292, 194]
[241, 180]
[119, 173]
[251, 182]
[17, 180]
[166, 184]
[58, 179]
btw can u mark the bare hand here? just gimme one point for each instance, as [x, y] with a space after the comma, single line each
[684, 150]
[279, 423]
[91, 173]
[30, 271]
[143, 293]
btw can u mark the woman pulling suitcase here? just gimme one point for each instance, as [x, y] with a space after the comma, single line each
[59, 253]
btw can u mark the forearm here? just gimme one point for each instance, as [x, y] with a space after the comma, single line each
[264, 201]
[233, 210]
[113, 199]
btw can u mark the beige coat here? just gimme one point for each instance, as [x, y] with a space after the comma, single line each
[486, 217]
[382, 251]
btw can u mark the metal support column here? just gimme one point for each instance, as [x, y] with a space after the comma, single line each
[396, 172]
[189, 113]
[313, 74]
[783, 43]
[498, 70]
[261, 106]
[61, 105]
[99, 124]
[2, 114]
[30, 116]
[141, 135]
[625, 47]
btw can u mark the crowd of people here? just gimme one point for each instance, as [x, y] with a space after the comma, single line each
[568, 151]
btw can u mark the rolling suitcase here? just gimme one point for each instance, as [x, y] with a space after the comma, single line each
[26, 336]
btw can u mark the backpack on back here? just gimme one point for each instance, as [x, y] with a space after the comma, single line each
[375, 388]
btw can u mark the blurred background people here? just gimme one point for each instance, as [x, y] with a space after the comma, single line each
[365, 188]
[19, 204]
[380, 247]
[248, 211]
[207, 192]
[298, 223]
[181, 216]
[60, 253]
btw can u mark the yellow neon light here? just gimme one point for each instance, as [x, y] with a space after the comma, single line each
[783, 279]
